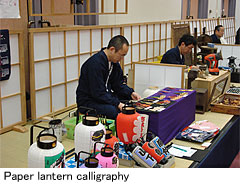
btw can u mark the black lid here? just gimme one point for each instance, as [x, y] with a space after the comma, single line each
[46, 141]
[128, 110]
[107, 152]
[164, 161]
[130, 147]
[90, 120]
[91, 162]
[55, 122]
[157, 166]
[109, 134]
[231, 58]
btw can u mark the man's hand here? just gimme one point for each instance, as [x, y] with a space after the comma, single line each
[135, 96]
[120, 106]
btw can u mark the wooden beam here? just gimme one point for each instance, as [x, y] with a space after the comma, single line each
[88, 6]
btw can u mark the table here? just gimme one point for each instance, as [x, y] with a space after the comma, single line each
[219, 154]
[167, 123]
[224, 148]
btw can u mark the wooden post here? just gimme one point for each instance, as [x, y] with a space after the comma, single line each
[195, 47]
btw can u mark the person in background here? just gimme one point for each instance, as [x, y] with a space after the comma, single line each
[101, 84]
[237, 41]
[217, 37]
[176, 55]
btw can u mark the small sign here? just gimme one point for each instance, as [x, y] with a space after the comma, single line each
[9, 9]
[5, 58]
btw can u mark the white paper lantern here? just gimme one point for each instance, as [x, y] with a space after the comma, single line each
[47, 152]
[87, 133]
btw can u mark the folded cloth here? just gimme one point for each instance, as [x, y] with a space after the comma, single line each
[196, 135]
[205, 125]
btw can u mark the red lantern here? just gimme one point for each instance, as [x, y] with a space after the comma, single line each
[129, 125]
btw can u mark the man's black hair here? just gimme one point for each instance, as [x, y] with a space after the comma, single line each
[217, 28]
[117, 42]
[187, 39]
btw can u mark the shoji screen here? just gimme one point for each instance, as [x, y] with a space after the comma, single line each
[147, 41]
[12, 91]
[161, 75]
[56, 58]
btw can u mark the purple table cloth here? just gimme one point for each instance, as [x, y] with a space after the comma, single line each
[169, 122]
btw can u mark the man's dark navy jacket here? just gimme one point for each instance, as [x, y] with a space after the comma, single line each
[172, 56]
[215, 39]
[92, 82]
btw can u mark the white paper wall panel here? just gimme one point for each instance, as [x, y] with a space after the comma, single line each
[96, 40]
[198, 27]
[135, 53]
[150, 32]
[236, 51]
[72, 68]
[11, 86]
[57, 44]
[219, 47]
[169, 30]
[106, 37]
[126, 68]
[108, 6]
[71, 92]
[143, 33]
[141, 74]
[42, 102]
[163, 50]
[41, 47]
[227, 51]
[116, 31]
[58, 97]
[83, 59]
[156, 48]
[191, 25]
[157, 32]
[141, 78]
[121, 4]
[135, 34]
[57, 72]
[127, 33]
[156, 75]
[12, 102]
[150, 50]
[223, 62]
[169, 44]
[71, 42]
[11, 110]
[127, 58]
[143, 51]
[14, 49]
[84, 41]
[237, 62]
[173, 77]
[163, 31]
[41, 74]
